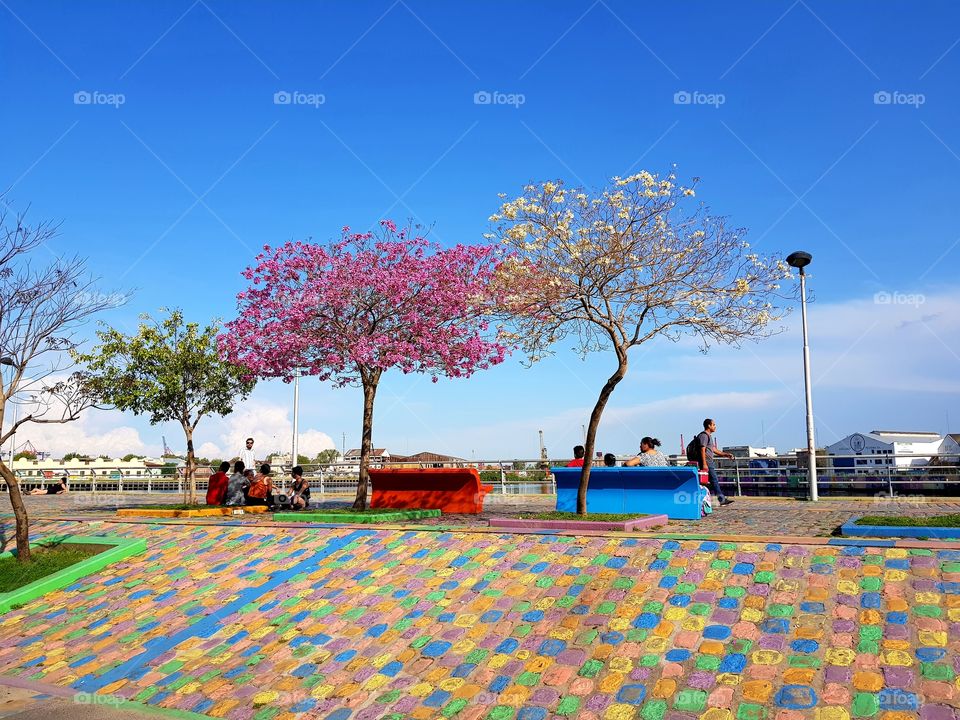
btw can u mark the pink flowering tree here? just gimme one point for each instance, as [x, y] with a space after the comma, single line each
[350, 310]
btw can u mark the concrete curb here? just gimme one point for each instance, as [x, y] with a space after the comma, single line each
[851, 529]
[122, 549]
[623, 525]
[199, 512]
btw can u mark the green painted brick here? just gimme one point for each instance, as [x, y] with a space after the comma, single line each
[569, 704]
[871, 584]
[936, 671]
[707, 662]
[390, 696]
[590, 668]
[654, 710]
[691, 700]
[868, 647]
[453, 707]
[528, 679]
[781, 611]
[865, 705]
[751, 711]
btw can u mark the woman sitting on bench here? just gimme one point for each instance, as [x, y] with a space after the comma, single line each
[649, 455]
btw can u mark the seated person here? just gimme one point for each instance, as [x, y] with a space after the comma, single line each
[610, 460]
[56, 489]
[300, 490]
[236, 486]
[217, 485]
[649, 455]
[578, 453]
[261, 487]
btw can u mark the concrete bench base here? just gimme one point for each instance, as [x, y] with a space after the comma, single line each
[639, 523]
[851, 529]
[199, 512]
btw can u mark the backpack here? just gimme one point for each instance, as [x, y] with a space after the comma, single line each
[693, 449]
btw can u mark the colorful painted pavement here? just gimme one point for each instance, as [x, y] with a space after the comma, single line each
[258, 622]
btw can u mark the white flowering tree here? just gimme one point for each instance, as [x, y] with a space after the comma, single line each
[617, 269]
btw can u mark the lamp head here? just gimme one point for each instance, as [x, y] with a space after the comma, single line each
[8, 361]
[799, 259]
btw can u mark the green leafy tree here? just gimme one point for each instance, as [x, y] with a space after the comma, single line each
[302, 459]
[75, 456]
[325, 457]
[104, 457]
[170, 370]
[130, 456]
[25, 455]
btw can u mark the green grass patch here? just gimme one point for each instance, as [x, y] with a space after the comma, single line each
[349, 515]
[589, 517]
[950, 521]
[45, 560]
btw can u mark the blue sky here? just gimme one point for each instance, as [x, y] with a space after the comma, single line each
[824, 126]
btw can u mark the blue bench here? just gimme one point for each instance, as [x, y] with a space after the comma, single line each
[671, 491]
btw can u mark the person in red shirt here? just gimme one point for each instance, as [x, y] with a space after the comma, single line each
[217, 485]
[578, 453]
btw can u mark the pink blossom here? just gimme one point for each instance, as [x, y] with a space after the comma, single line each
[367, 302]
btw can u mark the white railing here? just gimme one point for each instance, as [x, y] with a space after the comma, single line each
[774, 476]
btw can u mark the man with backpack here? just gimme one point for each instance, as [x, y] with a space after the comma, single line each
[702, 452]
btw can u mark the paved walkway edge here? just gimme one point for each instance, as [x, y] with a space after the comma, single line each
[906, 543]
[113, 701]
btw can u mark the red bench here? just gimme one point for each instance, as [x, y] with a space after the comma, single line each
[451, 490]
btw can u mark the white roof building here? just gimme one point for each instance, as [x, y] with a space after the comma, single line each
[885, 448]
[748, 451]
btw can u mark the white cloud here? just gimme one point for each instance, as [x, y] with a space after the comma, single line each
[84, 435]
[270, 425]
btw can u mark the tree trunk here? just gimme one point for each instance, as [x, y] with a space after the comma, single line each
[190, 484]
[590, 441]
[370, 380]
[19, 511]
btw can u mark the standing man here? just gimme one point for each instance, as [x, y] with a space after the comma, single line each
[246, 455]
[707, 453]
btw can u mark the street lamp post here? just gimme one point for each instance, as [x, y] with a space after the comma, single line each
[296, 413]
[800, 260]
